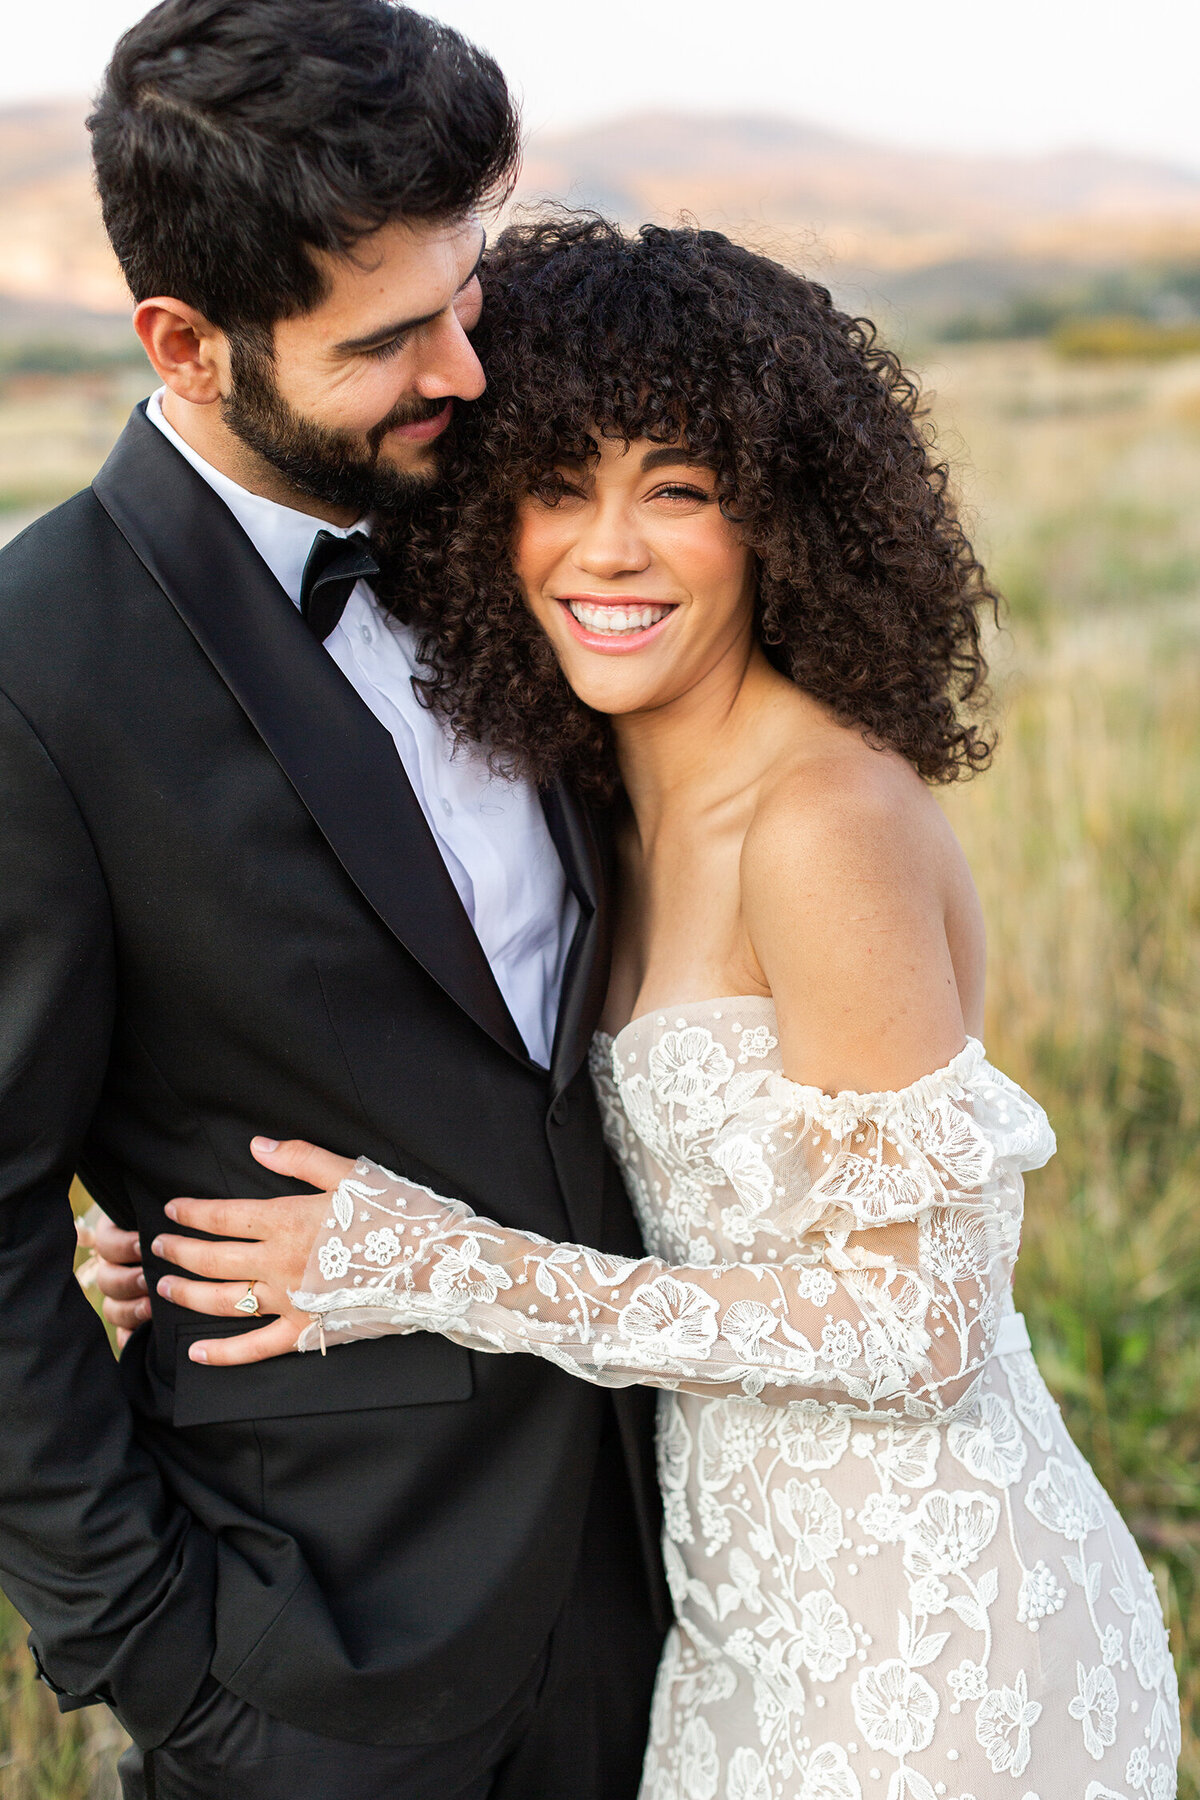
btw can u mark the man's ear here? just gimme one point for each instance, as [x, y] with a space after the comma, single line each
[190, 355]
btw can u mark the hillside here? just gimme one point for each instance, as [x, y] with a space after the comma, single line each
[918, 239]
[866, 202]
[52, 245]
[929, 232]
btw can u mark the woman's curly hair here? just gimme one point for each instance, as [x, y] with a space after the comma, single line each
[869, 595]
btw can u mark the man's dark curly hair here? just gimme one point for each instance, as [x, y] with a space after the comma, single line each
[869, 595]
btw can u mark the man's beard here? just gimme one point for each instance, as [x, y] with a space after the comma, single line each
[338, 468]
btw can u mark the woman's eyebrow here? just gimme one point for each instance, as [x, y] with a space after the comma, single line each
[672, 456]
[478, 264]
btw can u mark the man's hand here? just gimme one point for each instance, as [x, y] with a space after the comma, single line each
[116, 1269]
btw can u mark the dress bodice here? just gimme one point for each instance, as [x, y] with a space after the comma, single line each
[894, 1576]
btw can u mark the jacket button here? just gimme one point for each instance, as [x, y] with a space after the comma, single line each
[560, 1110]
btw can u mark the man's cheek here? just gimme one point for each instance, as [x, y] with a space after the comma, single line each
[352, 399]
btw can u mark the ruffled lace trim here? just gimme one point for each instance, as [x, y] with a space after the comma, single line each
[848, 1110]
[848, 1106]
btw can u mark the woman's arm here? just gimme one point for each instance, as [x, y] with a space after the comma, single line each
[885, 1232]
[880, 1229]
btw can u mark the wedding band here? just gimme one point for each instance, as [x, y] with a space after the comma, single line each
[248, 1302]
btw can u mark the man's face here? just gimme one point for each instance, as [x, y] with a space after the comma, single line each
[350, 407]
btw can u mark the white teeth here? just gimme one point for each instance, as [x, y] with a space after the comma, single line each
[612, 621]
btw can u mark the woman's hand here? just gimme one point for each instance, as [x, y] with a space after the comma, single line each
[115, 1270]
[274, 1239]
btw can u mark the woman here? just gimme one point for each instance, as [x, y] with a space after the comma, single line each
[739, 601]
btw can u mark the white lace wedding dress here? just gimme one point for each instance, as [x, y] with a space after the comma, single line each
[894, 1575]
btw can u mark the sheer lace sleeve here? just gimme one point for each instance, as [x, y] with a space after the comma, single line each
[879, 1234]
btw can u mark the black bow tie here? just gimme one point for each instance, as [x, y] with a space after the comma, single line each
[334, 565]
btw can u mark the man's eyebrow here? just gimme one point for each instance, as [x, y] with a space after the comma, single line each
[349, 346]
[672, 456]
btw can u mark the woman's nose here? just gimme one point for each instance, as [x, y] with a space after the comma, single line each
[609, 546]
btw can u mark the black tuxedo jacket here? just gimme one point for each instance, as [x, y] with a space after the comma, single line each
[222, 912]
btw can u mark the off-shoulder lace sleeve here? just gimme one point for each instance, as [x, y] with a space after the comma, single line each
[880, 1233]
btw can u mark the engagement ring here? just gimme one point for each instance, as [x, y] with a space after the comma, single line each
[248, 1302]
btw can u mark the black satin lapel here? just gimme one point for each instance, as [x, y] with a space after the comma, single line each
[585, 979]
[347, 773]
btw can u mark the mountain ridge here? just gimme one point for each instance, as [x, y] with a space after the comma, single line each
[872, 201]
[861, 211]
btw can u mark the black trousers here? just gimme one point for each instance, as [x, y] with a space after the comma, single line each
[575, 1730]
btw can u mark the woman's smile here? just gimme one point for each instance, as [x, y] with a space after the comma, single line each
[614, 627]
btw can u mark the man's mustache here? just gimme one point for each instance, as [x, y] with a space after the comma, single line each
[406, 412]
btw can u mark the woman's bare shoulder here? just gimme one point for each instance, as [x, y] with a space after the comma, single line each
[848, 809]
[849, 876]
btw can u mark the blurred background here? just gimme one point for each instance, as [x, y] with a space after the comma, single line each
[1013, 192]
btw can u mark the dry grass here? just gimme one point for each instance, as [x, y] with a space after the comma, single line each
[55, 432]
[1086, 842]
[45, 1755]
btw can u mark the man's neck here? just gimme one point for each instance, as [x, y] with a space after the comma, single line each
[204, 430]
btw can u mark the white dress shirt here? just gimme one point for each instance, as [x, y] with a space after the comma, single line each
[491, 832]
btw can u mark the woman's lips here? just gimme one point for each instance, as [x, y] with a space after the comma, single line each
[423, 430]
[615, 626]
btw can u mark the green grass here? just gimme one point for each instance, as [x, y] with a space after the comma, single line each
[1085, 840]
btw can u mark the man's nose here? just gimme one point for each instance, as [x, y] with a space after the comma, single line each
[452, 371]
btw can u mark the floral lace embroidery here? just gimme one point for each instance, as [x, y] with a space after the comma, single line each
[871, 1505]
[879, 1233]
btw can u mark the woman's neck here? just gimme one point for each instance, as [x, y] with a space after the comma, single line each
[704, 745]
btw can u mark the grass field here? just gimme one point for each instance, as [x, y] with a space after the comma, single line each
[1084, 483]
[1085, 838]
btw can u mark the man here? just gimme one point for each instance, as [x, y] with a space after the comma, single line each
[245, 886]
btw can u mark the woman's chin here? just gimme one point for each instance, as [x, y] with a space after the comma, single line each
[614, 694]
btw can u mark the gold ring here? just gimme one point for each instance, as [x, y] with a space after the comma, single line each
[248, 1302]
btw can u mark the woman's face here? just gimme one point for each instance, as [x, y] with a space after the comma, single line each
[642, 585]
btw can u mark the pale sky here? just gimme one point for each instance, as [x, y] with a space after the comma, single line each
[981, 75]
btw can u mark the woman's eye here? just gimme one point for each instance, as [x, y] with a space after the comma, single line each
[678, 490]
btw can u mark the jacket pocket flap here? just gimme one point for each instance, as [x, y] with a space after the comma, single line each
[390, 1371]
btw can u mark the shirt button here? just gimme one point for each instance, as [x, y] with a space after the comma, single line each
[560, 1110]
[365, 630]
[447, 808]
